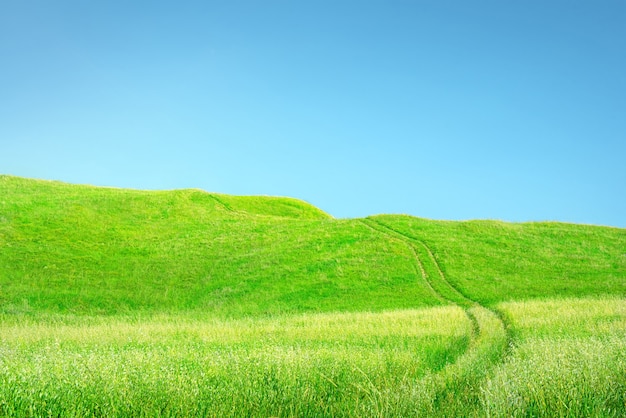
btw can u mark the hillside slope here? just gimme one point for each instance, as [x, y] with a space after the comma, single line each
[88, 250]
[94, 250]
[492, 261]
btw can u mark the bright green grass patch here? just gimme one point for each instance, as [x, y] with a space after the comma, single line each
[569, 360]
[189, 303]
[103, 251]
[402, 363]
[352, 364]
[589, 317]
[100, 251]
[490, 261]
[270, 206]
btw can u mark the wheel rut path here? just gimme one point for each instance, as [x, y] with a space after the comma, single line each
[490, 337]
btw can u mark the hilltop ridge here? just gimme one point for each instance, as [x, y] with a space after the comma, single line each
[51, 190]
[95, 250]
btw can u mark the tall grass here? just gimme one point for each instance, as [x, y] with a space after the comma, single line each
[185, 303]
[569, 360]
[398, 363]
[359, 364]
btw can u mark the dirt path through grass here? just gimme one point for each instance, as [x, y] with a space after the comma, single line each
[490, 338]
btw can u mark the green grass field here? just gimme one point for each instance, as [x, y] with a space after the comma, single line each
[184, 303]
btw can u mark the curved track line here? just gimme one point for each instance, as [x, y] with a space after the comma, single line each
[440, 285]
[441, 288]
[490, 337]
[417, 265]
[222, 203]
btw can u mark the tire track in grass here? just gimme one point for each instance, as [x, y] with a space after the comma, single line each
[441, 288]
[223, 204]
[458, 383]
[418, 266]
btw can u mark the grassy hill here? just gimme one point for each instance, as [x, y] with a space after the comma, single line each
[383, 316]
[104, 251]
[492, 261]
[82, 249]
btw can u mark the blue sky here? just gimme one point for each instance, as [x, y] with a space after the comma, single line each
[511, 110]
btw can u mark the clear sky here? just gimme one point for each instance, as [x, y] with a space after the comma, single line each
[511, 110]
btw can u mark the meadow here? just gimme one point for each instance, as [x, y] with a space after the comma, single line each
[303, 365]
[184, 303]
[568, 359]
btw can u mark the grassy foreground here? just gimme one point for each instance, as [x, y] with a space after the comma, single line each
[185, 303]
[569, 359]
[305, 365]
[401, 363]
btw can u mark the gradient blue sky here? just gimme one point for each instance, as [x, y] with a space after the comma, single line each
[512, 110]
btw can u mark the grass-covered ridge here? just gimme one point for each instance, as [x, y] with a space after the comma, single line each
[492, 261]
[215, 305]
[93, 250]
[89, 250]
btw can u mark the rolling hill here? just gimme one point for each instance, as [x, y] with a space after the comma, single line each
[207, 304]
[89, 250]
